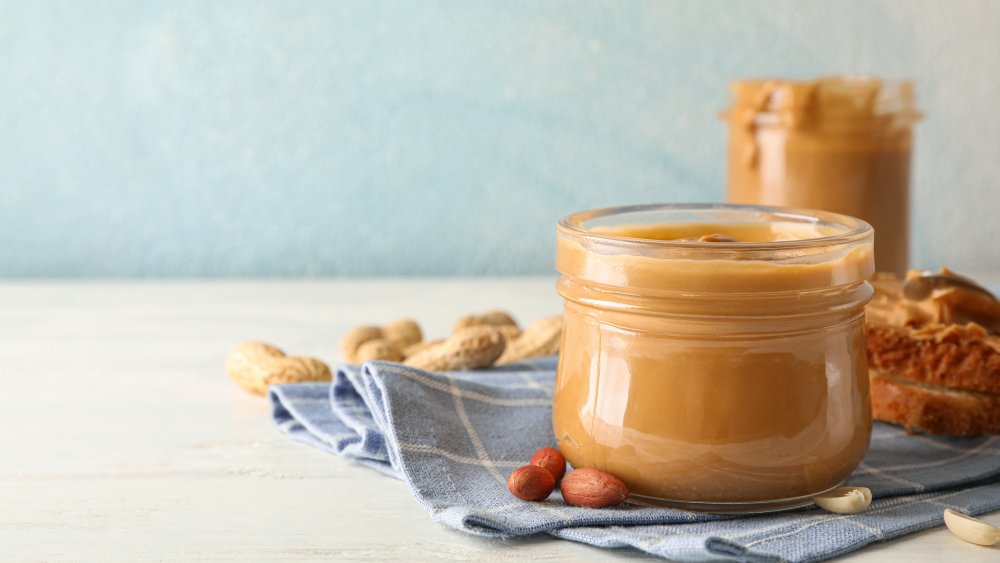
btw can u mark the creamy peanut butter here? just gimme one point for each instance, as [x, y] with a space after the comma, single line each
[943, 298]
[711, 373]
[840, 144]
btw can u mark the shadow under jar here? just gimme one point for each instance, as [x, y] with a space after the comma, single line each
[725, 376]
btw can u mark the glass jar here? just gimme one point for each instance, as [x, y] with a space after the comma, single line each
[721, 376]
[840, 144]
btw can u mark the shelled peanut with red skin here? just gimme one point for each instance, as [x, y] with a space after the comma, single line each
[531, 482]
[552, 460]
[585, 487]
[593, 488]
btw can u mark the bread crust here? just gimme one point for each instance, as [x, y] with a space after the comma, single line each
[933, 408]
[952, 356]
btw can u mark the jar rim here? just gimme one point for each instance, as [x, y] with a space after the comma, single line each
[854, 229]
[858, 100]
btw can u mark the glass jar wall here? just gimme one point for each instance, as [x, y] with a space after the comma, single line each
[727, 375]
[840, 144]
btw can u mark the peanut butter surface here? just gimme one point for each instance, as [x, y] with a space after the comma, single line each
[729, 269]
[948, 303]
[839, 144]
[736, 232]
[745, 382]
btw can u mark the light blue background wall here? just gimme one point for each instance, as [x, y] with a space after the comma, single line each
[326, 138]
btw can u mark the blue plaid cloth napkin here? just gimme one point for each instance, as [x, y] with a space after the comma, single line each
[454, 438]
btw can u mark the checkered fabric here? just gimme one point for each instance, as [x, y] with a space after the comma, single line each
[454, 438]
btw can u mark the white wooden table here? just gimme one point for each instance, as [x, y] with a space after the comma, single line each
[122, 439]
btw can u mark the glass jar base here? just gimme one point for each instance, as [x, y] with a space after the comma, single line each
[752, 507]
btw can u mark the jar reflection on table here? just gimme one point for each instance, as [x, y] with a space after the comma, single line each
[727, 377]
[840, 144]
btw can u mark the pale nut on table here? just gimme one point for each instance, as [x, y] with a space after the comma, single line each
[845, 500]
[256, 365]
[971, 529]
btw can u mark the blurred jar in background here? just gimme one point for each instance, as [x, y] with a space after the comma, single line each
[839, 144]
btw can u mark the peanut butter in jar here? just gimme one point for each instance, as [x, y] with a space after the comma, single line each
[839, 144]
[713, 356]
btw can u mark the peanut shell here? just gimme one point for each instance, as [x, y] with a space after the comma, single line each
[378, 349]
[470, 348]
[403, 333]
[491, 318]
[542, 338]
[510, 332]
[255, 366]
[421, 346]
[353, 340]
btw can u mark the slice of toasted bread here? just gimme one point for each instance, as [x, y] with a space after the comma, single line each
[927, 372]
[934, 409]
[952, 356]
